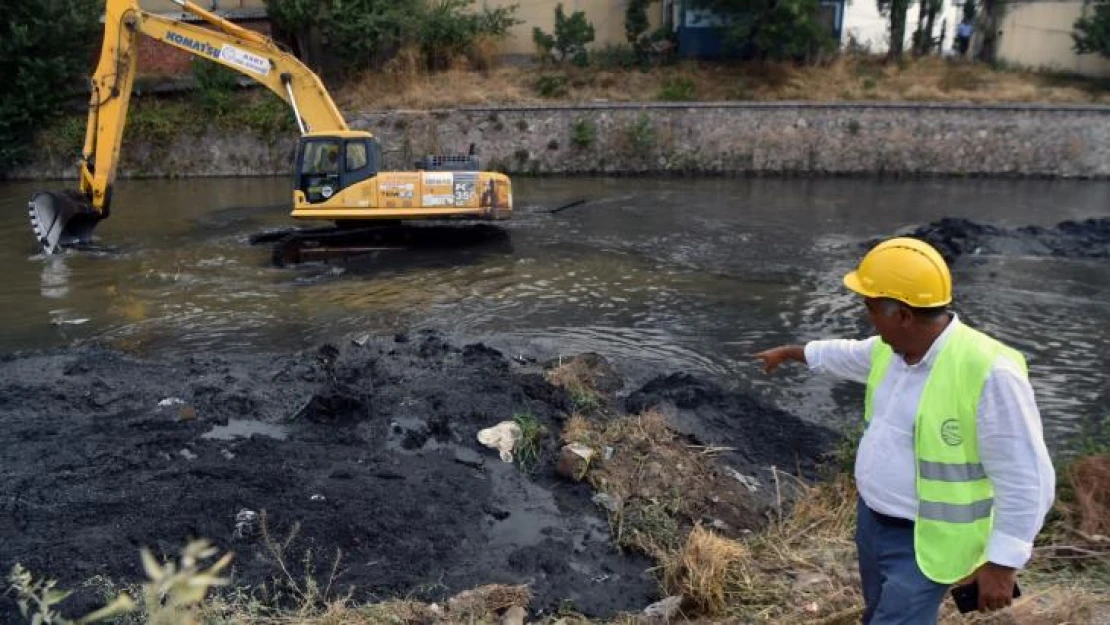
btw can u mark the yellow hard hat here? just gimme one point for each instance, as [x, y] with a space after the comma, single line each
[908, 270]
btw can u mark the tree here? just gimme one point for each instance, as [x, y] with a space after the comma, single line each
[46, 47]
[1092, 32]
[773, 29]
[569, 38]
[923, 40]
[896, 11]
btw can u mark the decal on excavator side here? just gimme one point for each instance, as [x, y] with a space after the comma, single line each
[187, 42]
[246, 60]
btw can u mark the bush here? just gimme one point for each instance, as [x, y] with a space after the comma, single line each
[1092, 31]
[368, 33]
[677, 90]
[215, 85]
[641, 135]
[569, 38]
[615, 56]
[583, 133]
[45, 46]
[551, 85]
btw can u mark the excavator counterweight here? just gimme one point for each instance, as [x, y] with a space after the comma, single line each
[338, 175]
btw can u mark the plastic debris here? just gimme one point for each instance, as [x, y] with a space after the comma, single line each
[245, 522]
[171, 401]
[750, 482]
[503, 437]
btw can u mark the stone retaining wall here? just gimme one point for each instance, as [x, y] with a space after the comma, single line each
[669, 138]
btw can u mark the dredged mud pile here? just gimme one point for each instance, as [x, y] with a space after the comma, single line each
[1089, 238]
[369, 445]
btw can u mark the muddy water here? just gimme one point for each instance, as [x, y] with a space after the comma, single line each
[658, 275]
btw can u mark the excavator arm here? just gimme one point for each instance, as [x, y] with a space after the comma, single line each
[69, 218]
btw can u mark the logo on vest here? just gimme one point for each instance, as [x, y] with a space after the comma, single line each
[950, 432]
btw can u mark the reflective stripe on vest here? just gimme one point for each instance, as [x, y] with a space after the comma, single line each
[955, 499]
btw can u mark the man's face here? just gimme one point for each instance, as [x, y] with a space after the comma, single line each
[890, 319]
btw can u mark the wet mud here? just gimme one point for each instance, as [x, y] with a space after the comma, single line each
[956, 238]
[367, 445]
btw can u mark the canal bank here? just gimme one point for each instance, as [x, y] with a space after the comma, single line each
[720, 138]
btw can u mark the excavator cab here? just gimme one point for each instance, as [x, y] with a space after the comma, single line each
[329, 163]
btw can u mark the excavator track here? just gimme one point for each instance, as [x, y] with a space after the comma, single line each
[61, 220]
[292, 247]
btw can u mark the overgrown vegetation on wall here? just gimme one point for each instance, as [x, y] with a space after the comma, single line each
[357, 35]
[45, 46]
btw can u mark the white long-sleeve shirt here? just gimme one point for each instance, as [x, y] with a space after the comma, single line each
[1011, 442]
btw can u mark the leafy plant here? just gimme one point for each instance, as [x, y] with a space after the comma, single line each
[216, 85]
[1092, 30]
[528, 450]
[368, 33]
[641, 134]
[583, 133]
[551, 85]
[45, 46]
[636, 21]
[615, 56]
[173, 594]
[677, 90]
[569, 38]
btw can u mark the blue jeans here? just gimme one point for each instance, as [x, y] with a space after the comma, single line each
[895, 591]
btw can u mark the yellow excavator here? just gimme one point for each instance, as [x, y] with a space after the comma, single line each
[337, 172]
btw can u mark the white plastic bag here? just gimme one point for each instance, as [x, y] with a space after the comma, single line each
[503, 437]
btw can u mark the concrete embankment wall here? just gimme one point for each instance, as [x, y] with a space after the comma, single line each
[727, 138]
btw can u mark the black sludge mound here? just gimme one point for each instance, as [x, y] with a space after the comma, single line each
[760, 435]
[368, 446]
[954, 238]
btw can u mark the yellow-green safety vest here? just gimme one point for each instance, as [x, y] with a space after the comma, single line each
[955, 498]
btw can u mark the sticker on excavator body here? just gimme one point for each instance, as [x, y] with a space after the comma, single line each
[246, 60]
[439, 189]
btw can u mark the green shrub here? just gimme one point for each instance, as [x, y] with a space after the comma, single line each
[531, 433]
[615, 56]
[677, 90]
[641, 134]
[551, 85]
[1092, 30]
[368, 33]
[216, 85]
[45, 47]
[569, 38]
[583, 133]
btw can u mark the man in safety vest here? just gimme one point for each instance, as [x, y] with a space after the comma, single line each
[952, 470]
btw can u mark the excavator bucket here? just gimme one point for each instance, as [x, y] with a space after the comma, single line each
[61, 219]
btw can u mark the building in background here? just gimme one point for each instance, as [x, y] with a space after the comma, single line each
[1037, 35]
[607, 17]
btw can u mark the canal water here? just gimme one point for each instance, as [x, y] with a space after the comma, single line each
[658, 275]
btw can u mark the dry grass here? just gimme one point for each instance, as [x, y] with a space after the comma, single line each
[579, 377]
[658, 485]
[707, 570]
[403, 85]
[483, 604]
[1090, 479]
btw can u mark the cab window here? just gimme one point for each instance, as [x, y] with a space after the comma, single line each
[320, 158]
[356, 155]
